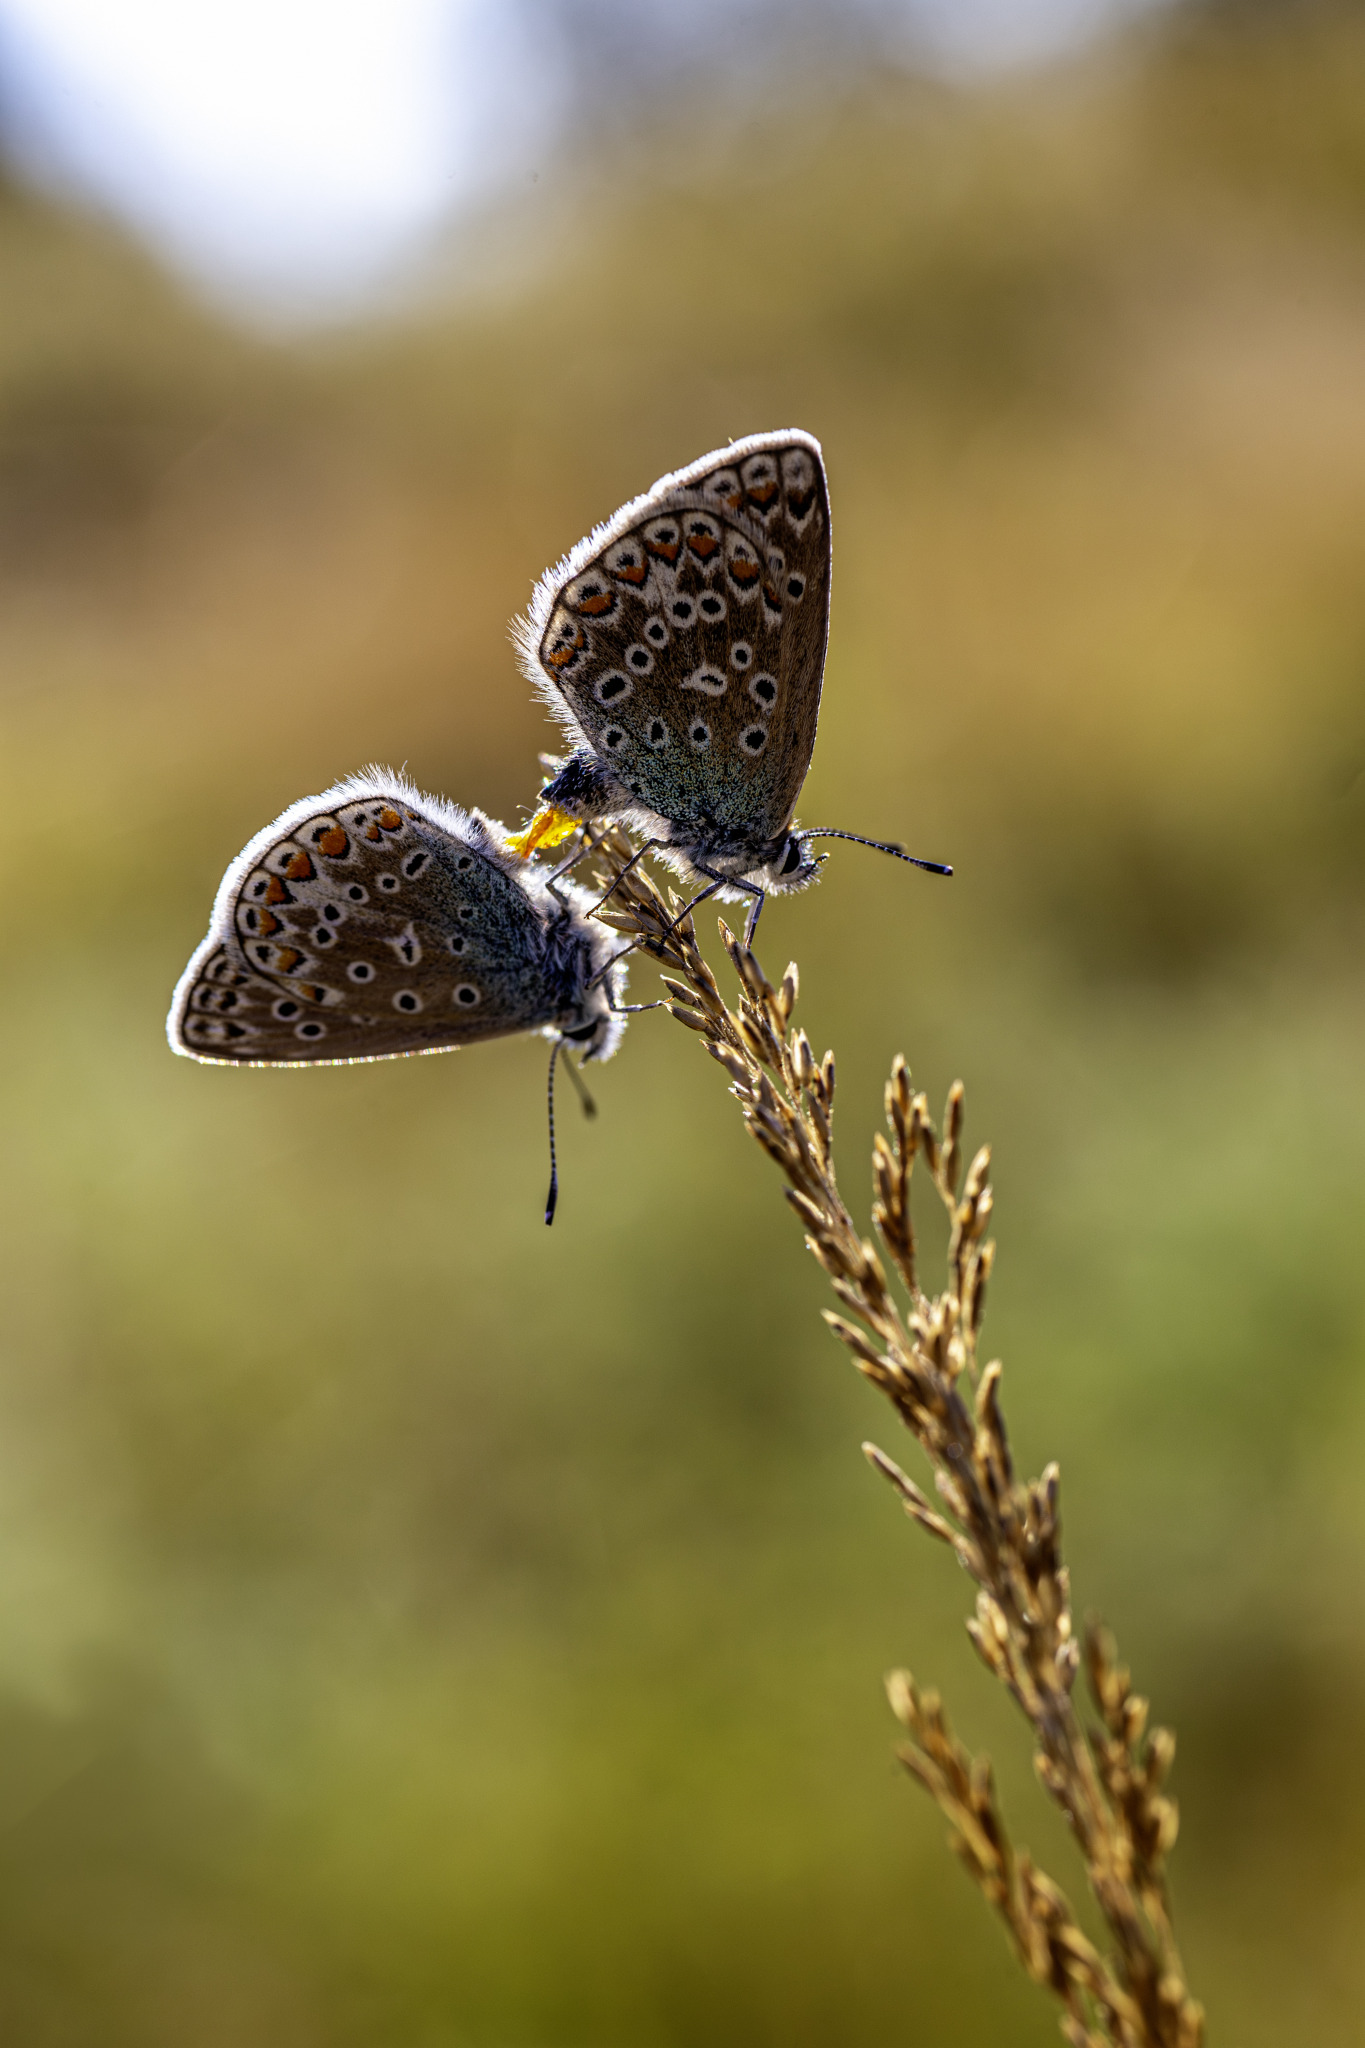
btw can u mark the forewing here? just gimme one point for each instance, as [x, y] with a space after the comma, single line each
[365, 924]
[686, 638]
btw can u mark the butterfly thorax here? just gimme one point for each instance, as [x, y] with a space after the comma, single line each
[700, 847]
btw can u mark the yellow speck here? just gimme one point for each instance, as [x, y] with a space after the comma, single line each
[548, 828]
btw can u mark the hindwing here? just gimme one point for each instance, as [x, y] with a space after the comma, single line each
[684, 641]
[367, 923]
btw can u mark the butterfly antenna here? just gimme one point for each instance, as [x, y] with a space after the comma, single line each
[589, 1106]
[553, 1197]
[932, 867]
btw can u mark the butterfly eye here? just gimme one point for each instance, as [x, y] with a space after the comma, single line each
[793, 860]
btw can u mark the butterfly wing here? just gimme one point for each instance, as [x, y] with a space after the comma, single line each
[684, 641]
[366, 923]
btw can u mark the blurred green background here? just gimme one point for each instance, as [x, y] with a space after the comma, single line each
[417, 1627]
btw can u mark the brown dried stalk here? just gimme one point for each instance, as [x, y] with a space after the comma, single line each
[1005, 1532]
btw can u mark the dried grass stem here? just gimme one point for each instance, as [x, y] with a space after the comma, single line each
[922, 1354]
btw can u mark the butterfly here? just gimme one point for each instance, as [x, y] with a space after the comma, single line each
[373, 922]
[682, 646]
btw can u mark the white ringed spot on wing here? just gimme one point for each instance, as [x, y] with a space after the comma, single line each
[656, 733]
[360, 970]
[741, 655]
[683, 612]
[614, 738]
[627, 563]
[408, 1000]
[286, 1008]
[708, 680]
[662, 538]
[639, 659]
[612, 688]
[466, 995]
[388, 883]
[763, 690]
[310, 1030]
[699, 732]
[754, 740]
[656, 632]
[711, 607]
[591, 596]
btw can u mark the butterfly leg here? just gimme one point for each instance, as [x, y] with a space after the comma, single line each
[634, 1009]
[638, 855]
[566, 867]
[760, 897]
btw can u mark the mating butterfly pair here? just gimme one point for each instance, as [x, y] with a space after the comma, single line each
[682, 645]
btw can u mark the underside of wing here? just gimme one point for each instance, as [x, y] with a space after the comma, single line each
[684, 641]
[369, 923]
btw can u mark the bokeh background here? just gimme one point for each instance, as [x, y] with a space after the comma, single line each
[417, 1627]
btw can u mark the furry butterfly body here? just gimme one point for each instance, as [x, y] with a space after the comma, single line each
[682, 645]
[372, 922]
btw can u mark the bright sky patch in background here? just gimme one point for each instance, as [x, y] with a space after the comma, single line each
[292, 155]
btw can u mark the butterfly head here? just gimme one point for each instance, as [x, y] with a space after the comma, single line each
[793, 866]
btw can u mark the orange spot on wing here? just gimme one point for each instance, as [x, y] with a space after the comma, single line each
[762, 494]
[703, 544]
[567, 650]
[668, 549]
[300, 868]
[276, 891]
[636, 572]
[287, 959]
[600, 601]
[744, 570]
[334, 843]
[373, 832]
[268, 923]
[389, 818]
